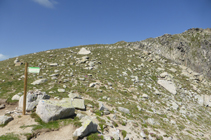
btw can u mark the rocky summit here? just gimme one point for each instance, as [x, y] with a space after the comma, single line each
[155, 89]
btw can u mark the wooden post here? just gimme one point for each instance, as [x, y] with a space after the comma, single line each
[25, 89]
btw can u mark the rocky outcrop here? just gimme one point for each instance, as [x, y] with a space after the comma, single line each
[191, 48]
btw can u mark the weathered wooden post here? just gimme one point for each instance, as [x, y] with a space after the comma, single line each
[25, 89]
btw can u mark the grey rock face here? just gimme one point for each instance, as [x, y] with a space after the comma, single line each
[54, 110]
[183, 50]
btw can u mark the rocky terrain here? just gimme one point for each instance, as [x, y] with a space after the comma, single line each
[156, 89]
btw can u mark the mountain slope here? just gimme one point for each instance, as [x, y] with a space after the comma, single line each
[165, 99]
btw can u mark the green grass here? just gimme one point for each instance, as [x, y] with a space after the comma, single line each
[9, 136]
[124, 133]
[95, 136]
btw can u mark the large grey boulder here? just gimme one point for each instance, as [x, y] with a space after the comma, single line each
[87, 127]
[84, 51]
[40, 81]
[5, 119]
[168, 85]
[53, 110]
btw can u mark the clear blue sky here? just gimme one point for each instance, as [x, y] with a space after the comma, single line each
[28, 26]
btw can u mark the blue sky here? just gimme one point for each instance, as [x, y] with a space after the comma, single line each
[28, 26]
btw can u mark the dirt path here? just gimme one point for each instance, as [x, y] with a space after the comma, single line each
[14, 126]
[64, 133]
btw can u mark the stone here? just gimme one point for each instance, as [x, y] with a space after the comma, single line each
[74, 95]
[53, 64]
[102, 107]
[18, 64]
[84, 51]
[163, 75]
[174, 106]
[139, 108]
[145, 96]
[200, 100]
[61, 90]
[125, 110]
[143, 135]
[16, 97]
[151, 121]
[53, 110]
[78, 104]
[16, 60]
[207, 100]
[92, 84]
[168, 85]
[87, 128]
[80, 116]
[40, 81]
[32, 100]
[54, 75]
[115, 134]
[2, 106]
[5, 119]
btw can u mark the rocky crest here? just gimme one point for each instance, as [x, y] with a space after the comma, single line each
[191, 48]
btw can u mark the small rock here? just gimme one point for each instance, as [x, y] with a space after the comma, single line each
[5, 119]
[61, 90]
[87, 127]
[16, 97]
[125, 110]
[2, 106]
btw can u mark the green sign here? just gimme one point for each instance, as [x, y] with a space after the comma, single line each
[33, 69]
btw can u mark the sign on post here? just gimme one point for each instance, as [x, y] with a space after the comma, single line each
[28, 70]
[33, 69]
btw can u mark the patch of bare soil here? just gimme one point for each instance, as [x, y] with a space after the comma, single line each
[14, 126]
[64, 133]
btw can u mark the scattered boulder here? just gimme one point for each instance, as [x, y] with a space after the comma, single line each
[40, 81]
[74, 95]
[32, 100]
[125, 110]
[77, 103]
[53, 64]
[61, 90]
[18, 64]
[92, 84]
[16, 97]
[87, 127]
[5, 119]
[2, 106]
[84, 51]
[16, 60]
[168, 85]
[53, 110]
